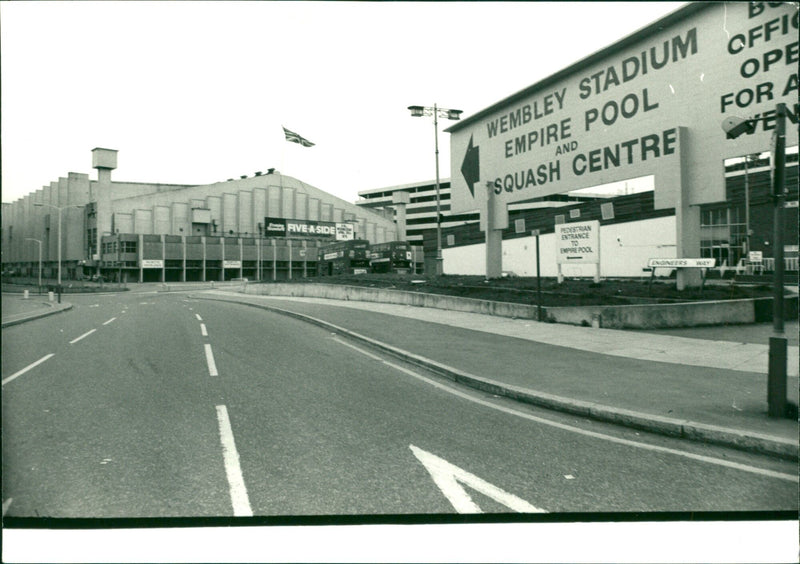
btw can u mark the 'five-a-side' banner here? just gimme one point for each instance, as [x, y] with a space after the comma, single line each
[295, 138]
[282, 227]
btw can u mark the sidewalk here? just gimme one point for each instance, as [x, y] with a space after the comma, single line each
[18, 310]
[700, 389]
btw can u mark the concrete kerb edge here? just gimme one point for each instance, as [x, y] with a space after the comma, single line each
[690, 430]
[34, 316]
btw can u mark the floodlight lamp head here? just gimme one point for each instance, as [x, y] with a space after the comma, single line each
[417, 111]
[735, 126]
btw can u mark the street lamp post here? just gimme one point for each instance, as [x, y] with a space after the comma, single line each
[777, 404]
[40, 260]
[436, 112]
[59, 237]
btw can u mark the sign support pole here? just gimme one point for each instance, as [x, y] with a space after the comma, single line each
[538, 280]
[776, 375]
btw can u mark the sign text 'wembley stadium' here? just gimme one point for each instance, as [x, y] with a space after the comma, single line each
[559, 133]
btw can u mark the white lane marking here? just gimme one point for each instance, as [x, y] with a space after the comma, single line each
[6, 505]
[645, 446]
[198, 317]
[203, 331]
[109, 321]
[73, 341]
[447, 477]
[212, 367]
[238, 491]
[95, 305]
[24, 370]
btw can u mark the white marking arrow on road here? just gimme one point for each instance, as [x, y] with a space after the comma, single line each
[449, 478]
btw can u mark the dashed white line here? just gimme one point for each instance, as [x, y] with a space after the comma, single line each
[109, 321]
[73, 341]
[212, 366]
[24, 370]
[198, 317]
[203, 330]
[238, 491]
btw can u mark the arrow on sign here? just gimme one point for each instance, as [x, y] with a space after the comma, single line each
[449, 478]
[470, 168]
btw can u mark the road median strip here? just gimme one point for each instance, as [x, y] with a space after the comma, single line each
[691, 430]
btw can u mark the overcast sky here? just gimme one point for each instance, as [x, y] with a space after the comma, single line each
[197, 92]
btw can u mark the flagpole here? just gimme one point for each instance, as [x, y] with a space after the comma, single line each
[283, 155]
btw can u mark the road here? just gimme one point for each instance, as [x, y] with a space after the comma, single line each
[160, 405]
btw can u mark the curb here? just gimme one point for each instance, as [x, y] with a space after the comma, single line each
[685, 429]
[34, 316]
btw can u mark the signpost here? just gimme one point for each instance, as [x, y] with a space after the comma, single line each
[578, 243]
[702, 263]
[535, 233]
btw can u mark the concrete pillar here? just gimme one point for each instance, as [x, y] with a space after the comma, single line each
[222, 270]
[687, 220]
[163, 259]
[203, 241]
[241, 259]
[494, 238]
[141, 258]
[400, 200]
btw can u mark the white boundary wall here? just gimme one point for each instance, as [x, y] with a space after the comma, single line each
[624, 250]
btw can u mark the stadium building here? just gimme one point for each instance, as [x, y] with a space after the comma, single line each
[264, 227]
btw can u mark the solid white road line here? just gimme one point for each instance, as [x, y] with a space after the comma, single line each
[644, 446]
[198, 317]
[24, 370]
[239, 499]
[109, 321]
[203, 331]
[212, 366]
[73, 341]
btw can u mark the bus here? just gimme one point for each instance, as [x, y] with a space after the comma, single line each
[344, 257]
[395, 257]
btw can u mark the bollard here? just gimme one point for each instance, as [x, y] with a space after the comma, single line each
[597, 321]
[50, 296]
[25, 294]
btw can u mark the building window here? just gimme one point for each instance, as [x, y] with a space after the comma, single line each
[723, 234]
[128, 246]
[91, 237]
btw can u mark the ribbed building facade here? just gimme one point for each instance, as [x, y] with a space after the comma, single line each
[168, 232]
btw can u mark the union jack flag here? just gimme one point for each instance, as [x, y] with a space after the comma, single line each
[295, 138]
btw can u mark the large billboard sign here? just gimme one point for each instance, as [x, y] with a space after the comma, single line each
[618, 113]
[282, 227]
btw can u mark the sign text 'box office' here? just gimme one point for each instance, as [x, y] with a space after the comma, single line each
[616, 115]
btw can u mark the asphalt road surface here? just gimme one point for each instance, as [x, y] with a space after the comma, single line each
[160, 405]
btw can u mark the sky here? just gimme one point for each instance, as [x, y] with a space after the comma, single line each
[197, 92]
